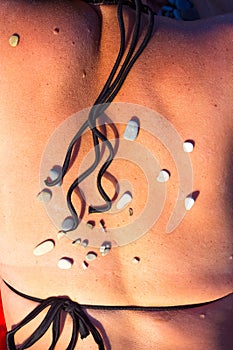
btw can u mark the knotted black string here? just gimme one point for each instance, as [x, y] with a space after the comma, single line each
[106, 96]
[81, 324]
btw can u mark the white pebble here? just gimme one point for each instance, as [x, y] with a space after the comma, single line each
[163, 176]
[101, 224]
[65, 263]
[189, 202]
[136, 260]
[106, 251]
[44, 247]
[125, 199]
[60, 234]
[44, 196]
[14, 40]
[84, 265]
[188, 146]
[67, 224]
[91, 256]
[77, 241]
[102, 248]
[131, 130]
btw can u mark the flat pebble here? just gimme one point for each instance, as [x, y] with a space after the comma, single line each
[85, 243]
[125, 199]
[77, 241]
[67, 224]
[44, 247]
[91, 256]
[85, 265]
[188, 146]
[183, 4]
[136, 260]
[14, 40]
[54, 173]
[189, 202]
[163, 176]
[131, 130]
[90, 225]
[65, 263]
[45, 195]
[60, 235]
[106, 251]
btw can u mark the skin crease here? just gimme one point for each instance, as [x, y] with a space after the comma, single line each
[189, 80]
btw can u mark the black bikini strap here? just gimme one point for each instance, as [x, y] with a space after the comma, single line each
[81, 323]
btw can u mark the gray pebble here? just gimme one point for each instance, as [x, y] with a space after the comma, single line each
[85, 243]
[183, 4]
[45, 195]
[91, 256]
[67, 224]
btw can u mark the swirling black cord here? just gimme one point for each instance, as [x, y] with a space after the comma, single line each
[106, 96]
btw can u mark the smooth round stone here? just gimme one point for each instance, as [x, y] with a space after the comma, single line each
[54, 173]
[136, 260]
[131, 130]
[65, 263]
[106, 251]
[85, 265]
[188, 146]
[45, 195]
[44, 247]
[182, 4]
[189, 202]
[14, 40]
[125, 199]
[91, 256]
[77, 241]
[67, 224]
[85, 243]
[163, 176]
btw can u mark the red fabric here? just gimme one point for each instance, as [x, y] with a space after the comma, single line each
[2, 328]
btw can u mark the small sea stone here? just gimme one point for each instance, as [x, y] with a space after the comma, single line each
[85, 243]
[65, 263]
[125, 199]
[91, 256]
[131, 130]
[60, 234]
[188, 146]
[106, 251]
[163, 176]
[136, 260]
[85, 265]
[130, 211]
[44, 247]
[90, 225]
[14, 40]
[202, 316]
[77, 241]
[45, 195]
[189, 202]
[67, 224]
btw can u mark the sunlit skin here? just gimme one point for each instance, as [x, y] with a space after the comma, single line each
[186, 75]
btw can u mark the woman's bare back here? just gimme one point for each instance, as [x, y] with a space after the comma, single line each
[63, 58]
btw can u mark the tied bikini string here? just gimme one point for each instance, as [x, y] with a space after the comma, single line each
[106, 96]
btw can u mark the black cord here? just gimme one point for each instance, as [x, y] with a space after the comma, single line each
[106, 96]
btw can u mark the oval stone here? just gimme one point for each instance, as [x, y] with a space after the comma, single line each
[65, 263]
[44, 247]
